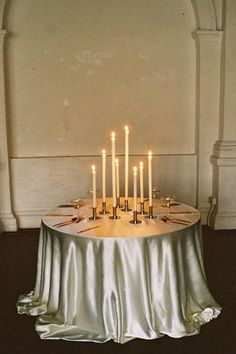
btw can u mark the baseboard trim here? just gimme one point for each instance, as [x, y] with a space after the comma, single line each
[224, 220]
[8, 222]
[29, 219]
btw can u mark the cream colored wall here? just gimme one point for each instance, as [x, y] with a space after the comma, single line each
[77, 70]
[224, 157]
[42, 183]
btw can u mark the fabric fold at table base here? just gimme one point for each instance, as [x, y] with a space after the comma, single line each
[90, 289]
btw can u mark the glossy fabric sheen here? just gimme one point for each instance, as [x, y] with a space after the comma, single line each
[98, 289]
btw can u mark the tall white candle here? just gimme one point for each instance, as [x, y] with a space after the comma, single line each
[141, 180]
[150, 177]
[94, 186]
[135, 189]
[117, 179]
[113, 159]
[126, 162]
[104, 176]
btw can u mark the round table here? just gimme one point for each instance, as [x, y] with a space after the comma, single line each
[120, 281]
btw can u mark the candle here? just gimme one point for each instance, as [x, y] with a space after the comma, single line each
[104, 176]
[150, 177]
[113, 152]
[135, 189]
[126, 162]
[141, 180]
[117, 179]
[94, 186]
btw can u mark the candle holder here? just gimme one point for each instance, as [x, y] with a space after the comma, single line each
[104, 209]
[114, 215]
[135, 219]
[142, 211]
[150, 215]
[126, 208]
[94, 216]
[118, 203]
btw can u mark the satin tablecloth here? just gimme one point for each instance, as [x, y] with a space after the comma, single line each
[120, 281]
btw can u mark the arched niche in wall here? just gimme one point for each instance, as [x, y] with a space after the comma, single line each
[208, 14]
[208, 38]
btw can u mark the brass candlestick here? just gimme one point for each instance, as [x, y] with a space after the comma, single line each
[114, 215]
[94, 215]
[135, 219]
[126, 208]
[150, 215]
[142, 211]
[118, 202]
[104, 209]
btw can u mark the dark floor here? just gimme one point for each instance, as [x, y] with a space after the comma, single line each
[18, 257]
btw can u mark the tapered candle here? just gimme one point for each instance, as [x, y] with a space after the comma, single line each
[126, 162]
[113, 158]
[150, 177]
[135, 189]
[104, 176]
[94, 186]
[117, 179]
[141, 180]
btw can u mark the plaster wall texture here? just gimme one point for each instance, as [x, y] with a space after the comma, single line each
[79, 69]
[76, 70]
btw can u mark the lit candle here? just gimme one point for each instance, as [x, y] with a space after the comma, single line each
[113, 158]
[117, 179]
[141, 180]
[150, 177]
[126, 162]
[135, 189]
[94, 186]
[104, 176]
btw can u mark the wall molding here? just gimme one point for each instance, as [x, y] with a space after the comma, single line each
[7, 219]
[7, 222]
[208, 50]
[29, 218]
[94, 155]
[224, 165]
[208, 14]
[225, 149]
[209, 38]
[223, 220]
[2, 9]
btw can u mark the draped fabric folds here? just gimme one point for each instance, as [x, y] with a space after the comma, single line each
[98, 289]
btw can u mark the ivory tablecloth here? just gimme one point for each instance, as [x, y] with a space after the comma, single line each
[120, 281]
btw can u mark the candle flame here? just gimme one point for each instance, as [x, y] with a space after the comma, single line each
[126, 129]
[93, 168]
[135, 169]
[113, 135]
[117, 162]
[141, 164]
[149, 154]
[103, 152]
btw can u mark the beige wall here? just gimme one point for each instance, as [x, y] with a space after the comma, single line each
[42, 183]
[78, 69]
[75, 70]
